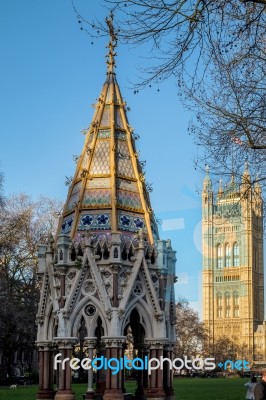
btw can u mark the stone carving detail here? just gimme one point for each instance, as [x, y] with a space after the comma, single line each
[89, 287]
[70, 278]
[122, 282]
[107, 278]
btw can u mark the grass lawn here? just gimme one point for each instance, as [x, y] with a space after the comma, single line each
[185, 389]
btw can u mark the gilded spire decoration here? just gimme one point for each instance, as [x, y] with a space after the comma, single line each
[108, 192]
[112, 44]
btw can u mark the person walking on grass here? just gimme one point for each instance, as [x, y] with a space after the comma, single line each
[251, 386]
[260, 388]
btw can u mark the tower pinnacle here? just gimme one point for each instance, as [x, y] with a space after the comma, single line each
[112, 44]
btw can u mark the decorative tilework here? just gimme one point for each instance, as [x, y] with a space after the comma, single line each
[98, 183]
[74, 195]
[105, 121]
[76, 187]
[129, 200]
[94, 221]
[101, 160]
[66, 225]
[96, 198]
[85, 160]
[118, 118]
[127, 185]
[73, 201]
[124, 163]
[120, 135]
[104, 133]
[108, 95]
[129, 222]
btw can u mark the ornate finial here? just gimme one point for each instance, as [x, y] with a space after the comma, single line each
[207, 181]
[220, 190]
[112, 44]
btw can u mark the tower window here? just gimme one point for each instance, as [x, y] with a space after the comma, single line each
[219, 305]
[236, 255]
[236, 304]
[227, 255]
[227, 305]
[219, 256]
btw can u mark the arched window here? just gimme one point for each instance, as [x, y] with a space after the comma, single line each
[236, 304]
[227, 298]
[227, 255]
[236, 255]
[219, 255]
[219, 305]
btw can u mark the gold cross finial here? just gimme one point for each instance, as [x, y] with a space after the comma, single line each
[112, 44]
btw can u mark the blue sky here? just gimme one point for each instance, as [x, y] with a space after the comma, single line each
[50, 77]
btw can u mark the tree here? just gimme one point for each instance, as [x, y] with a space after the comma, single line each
[225, 348]
[24, 223]
[216, 51]
[190, 332]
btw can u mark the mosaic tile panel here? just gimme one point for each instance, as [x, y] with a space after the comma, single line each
[73, 201]
[124, 163]
[76, 187]
[101, 159]
[96, 198]
[85, 161]
[98, 183]
[120, 135]
[108, 95]
[128, 222]
[127, 185]
[118, 118]
[129, 200]
[67, 224]
[104, 133]
[105, 121]
[94, 221]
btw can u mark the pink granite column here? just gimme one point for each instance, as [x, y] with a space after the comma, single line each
[113, 389]
[64, 392]
[156, 390]
[45, 373]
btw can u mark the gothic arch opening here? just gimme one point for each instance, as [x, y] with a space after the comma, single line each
[135, 348]
[80, 351]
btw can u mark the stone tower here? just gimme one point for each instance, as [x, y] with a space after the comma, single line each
[106, 270]
[233, 275]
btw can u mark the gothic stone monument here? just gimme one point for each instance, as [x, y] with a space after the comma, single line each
[106, 270]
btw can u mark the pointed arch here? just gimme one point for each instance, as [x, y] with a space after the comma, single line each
[219, 255]
[227, 252]
[236, 254]
[145, 316]
[91, 322]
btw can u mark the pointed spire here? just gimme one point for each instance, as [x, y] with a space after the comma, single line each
[108, 193]
[207, 184]
[246, 174]
[112, 44]
[220, 190]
